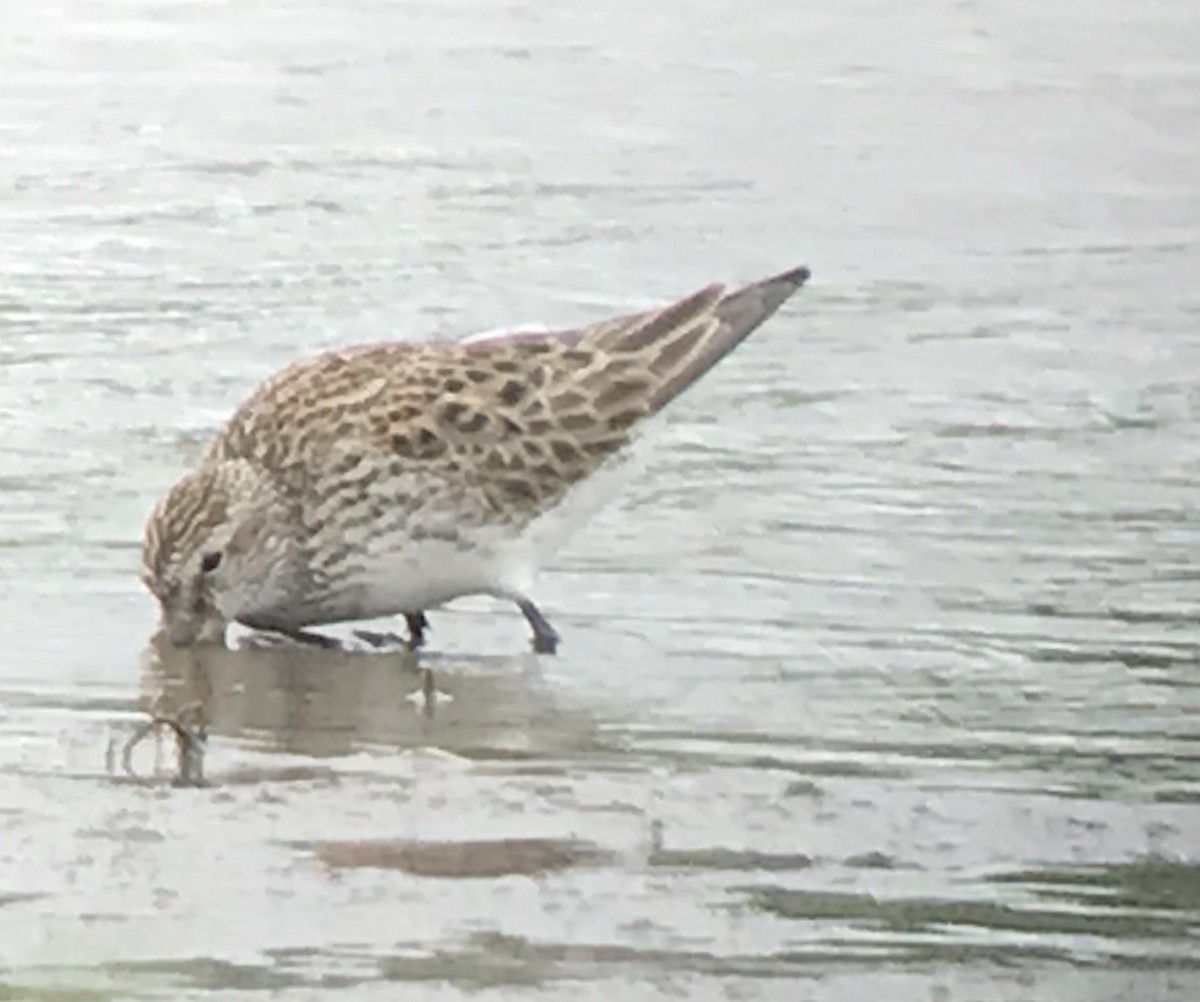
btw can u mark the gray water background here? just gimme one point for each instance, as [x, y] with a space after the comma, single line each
[880, 681]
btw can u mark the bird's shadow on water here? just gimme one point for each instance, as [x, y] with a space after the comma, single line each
[322, 703]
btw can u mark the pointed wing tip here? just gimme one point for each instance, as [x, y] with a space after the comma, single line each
[774, 291]
[793, 277]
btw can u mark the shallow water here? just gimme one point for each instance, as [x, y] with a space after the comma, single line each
[880, 680]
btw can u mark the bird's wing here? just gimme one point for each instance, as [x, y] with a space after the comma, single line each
[505, 423]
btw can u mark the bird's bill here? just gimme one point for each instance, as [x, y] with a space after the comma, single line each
[186, 630]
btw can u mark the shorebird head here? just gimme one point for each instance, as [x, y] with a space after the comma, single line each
[213, 549]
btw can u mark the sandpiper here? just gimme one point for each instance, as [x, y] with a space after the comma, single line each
[390, 478]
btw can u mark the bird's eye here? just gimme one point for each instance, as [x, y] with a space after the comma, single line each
[210, 562]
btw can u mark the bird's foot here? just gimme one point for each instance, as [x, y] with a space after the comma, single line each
[310, 638]
[377, 639]
[417, 627]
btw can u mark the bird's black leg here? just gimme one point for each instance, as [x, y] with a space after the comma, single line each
[417, 625]
[310, 638]
[545, 637]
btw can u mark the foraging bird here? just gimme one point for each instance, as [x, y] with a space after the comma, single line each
[388, 479]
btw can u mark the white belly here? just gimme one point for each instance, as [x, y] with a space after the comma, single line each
[415, 576]
[400, 574]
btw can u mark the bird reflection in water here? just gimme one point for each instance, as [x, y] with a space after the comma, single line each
[326, 702]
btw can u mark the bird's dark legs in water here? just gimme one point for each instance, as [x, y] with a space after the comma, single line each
[310, 638]
[416, 622]
[545, 637]
[417, 625]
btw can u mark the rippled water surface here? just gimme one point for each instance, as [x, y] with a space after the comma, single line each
[879, 681]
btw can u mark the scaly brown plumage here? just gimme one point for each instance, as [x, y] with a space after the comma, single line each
[391, 478]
